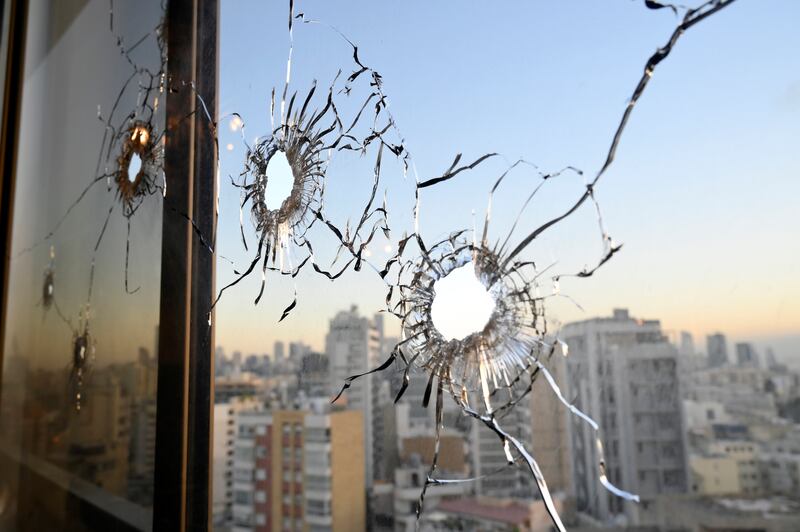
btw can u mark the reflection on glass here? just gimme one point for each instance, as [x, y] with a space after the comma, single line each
[78, 405]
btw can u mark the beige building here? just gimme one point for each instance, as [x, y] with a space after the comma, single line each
[715, 475]
[298, 471]
[729, 468]
[745, 453]
[550, 429]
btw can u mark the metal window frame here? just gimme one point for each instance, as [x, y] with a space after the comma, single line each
[185, 352]
[182, 479]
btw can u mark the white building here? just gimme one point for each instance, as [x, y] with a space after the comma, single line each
[701, 415]
[225, 431]
[624, 374]
[353, 346]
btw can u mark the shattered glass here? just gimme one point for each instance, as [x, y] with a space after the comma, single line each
[79, 360]
[312, 190]
[482, 371]
[309, 131]
[130, 165]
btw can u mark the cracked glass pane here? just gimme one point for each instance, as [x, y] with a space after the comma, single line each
[468, 347]
[79, 366]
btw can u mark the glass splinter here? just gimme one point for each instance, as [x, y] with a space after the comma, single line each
[490, 360]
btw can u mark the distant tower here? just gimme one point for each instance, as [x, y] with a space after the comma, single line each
[717, 350]
[746, 355]
[278, 352]
[352, 348]
[687, 344]
[771, 361]
[237, 363]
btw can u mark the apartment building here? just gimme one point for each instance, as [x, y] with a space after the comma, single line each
[624, 374]
[298, 471]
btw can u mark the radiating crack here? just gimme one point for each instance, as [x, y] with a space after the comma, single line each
[488, 372]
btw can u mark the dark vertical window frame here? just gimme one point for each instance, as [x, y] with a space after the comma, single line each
[9, 130]
[185, 352]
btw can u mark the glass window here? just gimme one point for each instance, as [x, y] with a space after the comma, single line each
[305, 107]
[80, 351]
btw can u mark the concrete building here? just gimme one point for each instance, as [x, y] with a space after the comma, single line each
[242, 385]
[686, 347]
[702, 415]
[694, 513]
[225, 432]
[550, 438]
[299, 471]
[780, 473]
[771, 360]
[745, 453]
[313, 375]
[715, 475]
[717, 348]
[741, 390]
[490, 514]
[746, 355]
[297, 350]
[624, 374]
[279, 353]
[335, 491]
[138, 381]
[408, 481]
[353, 346]
[489, 457]
[95, 444]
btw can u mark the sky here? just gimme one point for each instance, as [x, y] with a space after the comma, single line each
[703, 194]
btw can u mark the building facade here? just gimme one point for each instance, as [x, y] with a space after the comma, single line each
[717, 347]
[298, 471]
[624, 374]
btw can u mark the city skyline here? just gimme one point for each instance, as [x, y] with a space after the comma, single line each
[784, 348]
[691, 437]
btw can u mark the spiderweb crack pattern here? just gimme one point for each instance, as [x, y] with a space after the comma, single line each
[482, 372]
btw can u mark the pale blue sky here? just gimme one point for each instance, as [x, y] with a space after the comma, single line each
[704, 193]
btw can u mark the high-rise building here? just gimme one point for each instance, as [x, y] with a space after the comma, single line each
[550, 429]
[746, 355]
[353, 347]
[312, 377]
[335, 491]
[687, 344]
[416, 453]
[623, 373]
[220, 361]
[138, 380]
[717, 348]
[299, 471]
[770, 359]
[225, 431]
[96, 440]
[278, 353]
[297, 350]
